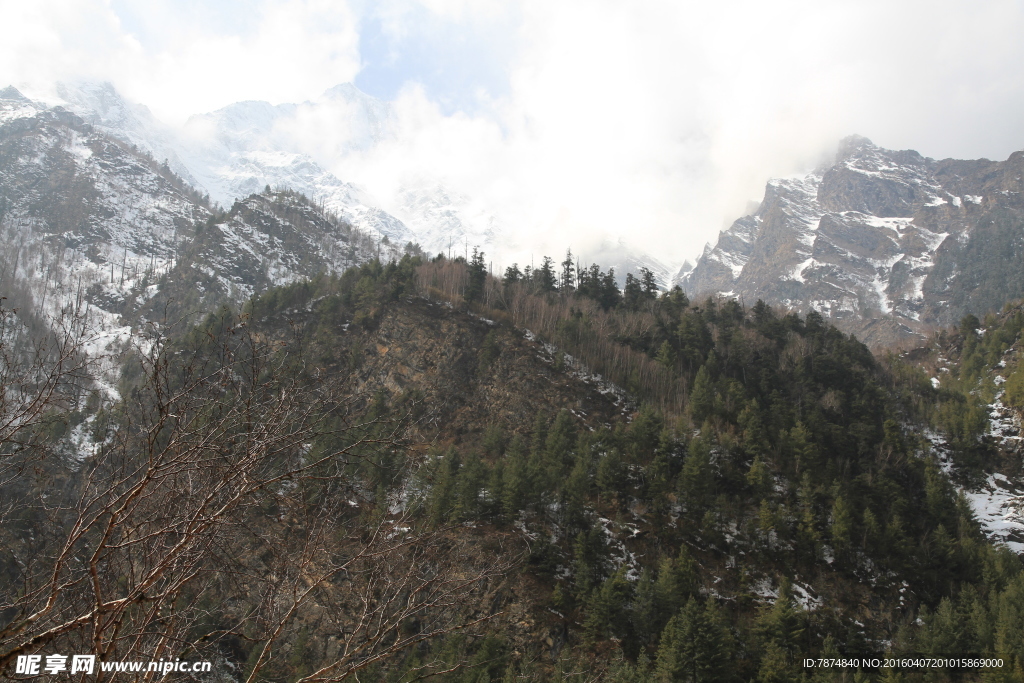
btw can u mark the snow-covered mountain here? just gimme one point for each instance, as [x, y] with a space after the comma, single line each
[885, 243]
[444, 220]
[100, 105]
[89, 218]
[311, 148]
[244, 147]
[247, 146]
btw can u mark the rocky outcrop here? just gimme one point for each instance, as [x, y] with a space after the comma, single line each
[91, 219]
[887, 244]
[471, 373]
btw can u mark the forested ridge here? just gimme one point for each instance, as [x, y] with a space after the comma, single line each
[766, 491]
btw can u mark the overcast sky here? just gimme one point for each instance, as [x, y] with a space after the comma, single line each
[653, 120]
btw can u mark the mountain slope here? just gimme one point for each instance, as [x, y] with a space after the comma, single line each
[239, 149]
[86, 217]
[979, 366]
[83, 212]
[309, 147]
[886, 244]
[100, 105]
[783, 507]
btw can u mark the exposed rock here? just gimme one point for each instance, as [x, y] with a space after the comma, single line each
[888, 244]
[428, 348]
[91, 219]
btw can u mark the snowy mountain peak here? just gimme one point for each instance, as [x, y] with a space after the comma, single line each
[101, 105]
[348, 92]
[310, 147]
[14, 105]
[886, 243]
[12, 94]
[852, 145]
[88, 218]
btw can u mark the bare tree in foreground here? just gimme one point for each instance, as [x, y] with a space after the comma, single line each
[224, 505]
[39, 376]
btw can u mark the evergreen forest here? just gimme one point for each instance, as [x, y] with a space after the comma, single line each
[417, 470]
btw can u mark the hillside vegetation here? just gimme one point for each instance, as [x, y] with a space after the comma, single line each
[763, 492]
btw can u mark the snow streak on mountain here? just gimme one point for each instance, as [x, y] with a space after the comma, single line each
[886, 243]
[244, 147]
[89, 218]
[317, 148]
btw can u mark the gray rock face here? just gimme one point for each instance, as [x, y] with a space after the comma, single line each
[91, 219]
[240, 149]
[888, 244]
[101, 106]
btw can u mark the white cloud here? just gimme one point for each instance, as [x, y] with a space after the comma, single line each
[653, 121]
[176, 58]
[659, 121]
[59, 39]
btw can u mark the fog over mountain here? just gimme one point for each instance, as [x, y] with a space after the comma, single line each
[244, 147]
[327, 149]
[573, 124]
[266, 407]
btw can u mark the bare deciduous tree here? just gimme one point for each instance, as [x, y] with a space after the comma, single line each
[39, 375]
[223, 505]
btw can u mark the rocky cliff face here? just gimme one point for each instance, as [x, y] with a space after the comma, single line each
[239, 149]
[468, 373]
[885, 243]
[91, 219]
[82, 212]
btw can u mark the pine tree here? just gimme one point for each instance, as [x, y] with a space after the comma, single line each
[806, 457]
[469, 480]
[611, 474]
[477, 276]
[560, 440]
[780, 629]
[648, 283]
[666, 355]
[588, 561]
[512, 275]
[609, 296]
[676, 582]
[696, 479]
[644, 609]
[632, 293]
[842, 524]
[590, 282]
[606, 608]
[517, 484]
[496, 489]
[695, 646]
[694, 339]
[544, 277]
[808, 536]
[759, 478]
[702, 397]
[774, 667]
[755, 436]
[443, 493]
[576, 490]
[567, 284]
